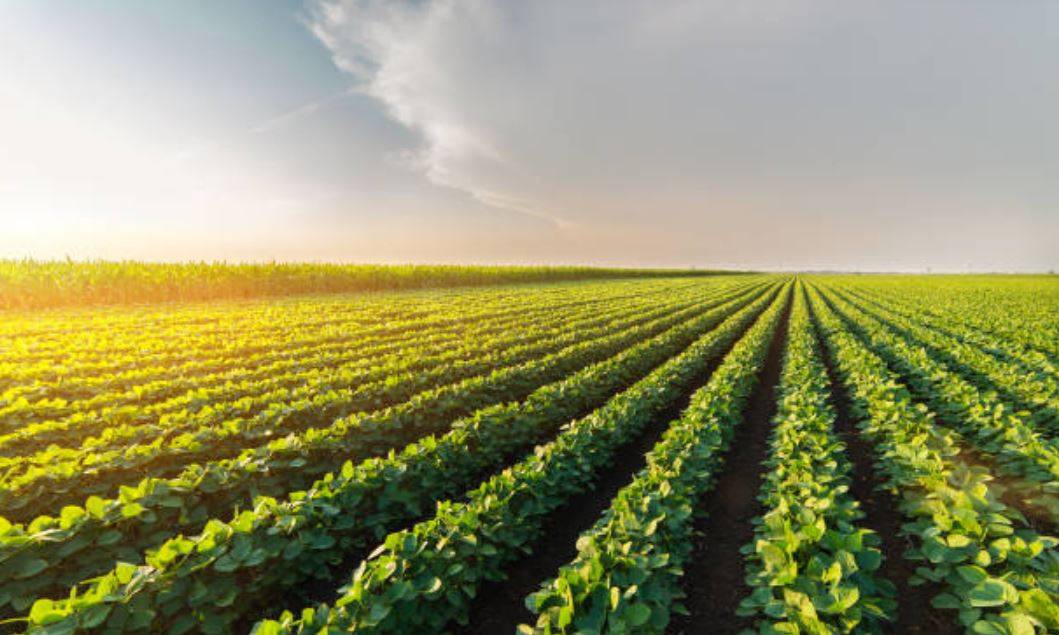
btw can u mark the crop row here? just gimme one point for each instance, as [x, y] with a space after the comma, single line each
[366, 386]
[424, 462]
[1015, 385]
[455, 386]
[1030, 361]
[424, 577]
[1021, 316]
[131, 378]
[34, 284]
[93, 393]
[625, 577]
[160, 509]
[981, 417]
[811, 566]
[92, 390]
[240, 394]
[119, 326]
[998, 575]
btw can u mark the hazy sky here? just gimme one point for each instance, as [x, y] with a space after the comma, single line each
[788, 134]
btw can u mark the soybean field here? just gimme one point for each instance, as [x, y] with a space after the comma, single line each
[769, 453]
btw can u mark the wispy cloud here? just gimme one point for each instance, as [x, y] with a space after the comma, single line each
[726, 121]
[305, 110]
[393, 49]
[285, 118]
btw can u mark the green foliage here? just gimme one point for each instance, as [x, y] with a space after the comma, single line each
[993, 426]
[89, 545]
[811, 568]
[422, 578]
[197, 467]
[999, 575]
[1024, 379]
[625, 578]
[33, 284]
[313, 400]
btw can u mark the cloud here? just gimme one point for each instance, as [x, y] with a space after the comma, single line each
[390, 47]
[269, 124]
[717, 120]
[298, 112]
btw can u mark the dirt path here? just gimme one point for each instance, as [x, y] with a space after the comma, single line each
[714, 578]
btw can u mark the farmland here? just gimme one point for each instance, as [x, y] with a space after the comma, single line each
[574, 454]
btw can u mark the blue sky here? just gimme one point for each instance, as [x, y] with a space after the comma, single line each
[888, 135]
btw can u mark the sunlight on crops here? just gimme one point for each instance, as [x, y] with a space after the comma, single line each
[795, 452]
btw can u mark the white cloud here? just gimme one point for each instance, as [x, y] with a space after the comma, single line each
[391, 47]
[710, 121]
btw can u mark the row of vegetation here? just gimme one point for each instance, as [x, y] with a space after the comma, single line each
[33, 284]
[549, 459]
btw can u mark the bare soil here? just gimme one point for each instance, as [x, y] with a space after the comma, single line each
[713, 579]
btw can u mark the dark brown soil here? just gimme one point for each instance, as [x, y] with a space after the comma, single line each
[713, 580]
[914, 612]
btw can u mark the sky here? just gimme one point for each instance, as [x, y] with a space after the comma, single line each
[826, 134]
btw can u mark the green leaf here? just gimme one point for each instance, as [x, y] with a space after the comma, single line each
[1038, 604]
[44, 613]
[983, 627]
[869, 559]
[946, 601]
[638, 614]
[70, 514]
[971, 573]
[226, 564]
[94, 616]
[241, 546]
[992, 592]
[434, 586]
[378, 613]
[109, 537]
[124, 571]
[30, 568]
[267, 627]
[131, 510]
[95, 506]
[1019, 624]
